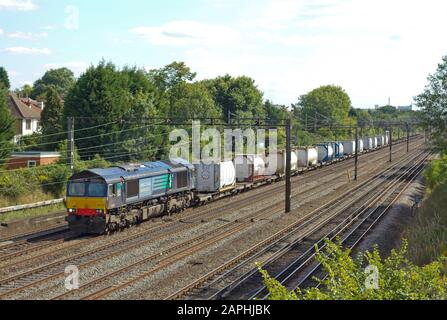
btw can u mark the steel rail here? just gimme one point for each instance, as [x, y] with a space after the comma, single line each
[370, 226]
[281, 252]
[257, 247]
[294, 267]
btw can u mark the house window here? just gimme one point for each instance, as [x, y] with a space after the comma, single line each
[32, 163]
[28, 124]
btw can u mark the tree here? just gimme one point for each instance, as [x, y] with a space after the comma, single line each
[120, 99]
[4, 79]
[330, 104]
[171, 75]
[61, 79]
[52, 116]
[25, 91]
[191, 100]
[398, 278]
[7, 128]
[433, 102]
[239, 96]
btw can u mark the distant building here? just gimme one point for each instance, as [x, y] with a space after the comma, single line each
[27, 114]
[405, 108]
[32, 159]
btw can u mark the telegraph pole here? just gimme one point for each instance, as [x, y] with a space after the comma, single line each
[288, 166]
[70, 143]
[408, 137]
[356, 152]
[391, 144]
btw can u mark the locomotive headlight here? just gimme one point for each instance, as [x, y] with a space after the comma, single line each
[99, 211]
[71, 210]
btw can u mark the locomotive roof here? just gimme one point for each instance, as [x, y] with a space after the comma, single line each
[132, 171]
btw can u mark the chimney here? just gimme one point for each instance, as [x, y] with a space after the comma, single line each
[41, 104]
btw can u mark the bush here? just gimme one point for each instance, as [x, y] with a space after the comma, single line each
[428, 234]
[436, 172]
[398, 278]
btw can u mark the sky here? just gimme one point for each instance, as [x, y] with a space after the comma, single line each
[374, 49]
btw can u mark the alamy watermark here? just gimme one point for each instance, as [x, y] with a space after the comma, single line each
[72, 279]
[213, 146]
[372, 277]
[71, 17]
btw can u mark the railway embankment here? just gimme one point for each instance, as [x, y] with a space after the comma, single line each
[420, 217]
[427, 232]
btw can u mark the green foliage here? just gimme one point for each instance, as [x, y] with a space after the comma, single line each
[433, 101]
[51, 118]
[50, 179]
[61, 79]
[171, 75]
[4, 79]
[191, 100]
[240, 96]
[427, 234]
[25, 91]
[104, 94]
[436, 173]
[398, 278]
[7, 128]
[29, 143]
[328, 103]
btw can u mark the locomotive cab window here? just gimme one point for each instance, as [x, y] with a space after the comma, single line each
[76, 189]
[97, 190]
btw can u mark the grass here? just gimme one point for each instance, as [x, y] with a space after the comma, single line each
[31, 213]
[427, 237]
[36, 196]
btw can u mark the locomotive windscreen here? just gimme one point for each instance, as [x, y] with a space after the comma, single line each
[87, 189]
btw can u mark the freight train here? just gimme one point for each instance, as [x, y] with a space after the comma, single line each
[105, 200]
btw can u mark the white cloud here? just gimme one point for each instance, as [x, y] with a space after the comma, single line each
[28, 35]
[1, 31]
[29, 82]
[184, 32]
[375, 49]
[29, 51]
[49, 28]
[77, 67]
[20, 5]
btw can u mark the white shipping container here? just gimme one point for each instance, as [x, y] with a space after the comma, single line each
[277, 164]
[361, 145]
[380, 141]
[349, 147]
[215, 177]
[307, 157]
[368, 144]
[248, 167]
[325, 152]
[375, 142]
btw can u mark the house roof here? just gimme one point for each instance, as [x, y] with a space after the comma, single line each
[36, 154]
[30, 102]
[20, 110]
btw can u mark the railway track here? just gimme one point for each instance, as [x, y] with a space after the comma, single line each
[55, 228]
[24, 247]
[47, 272]
[352, 237]
[230, 271]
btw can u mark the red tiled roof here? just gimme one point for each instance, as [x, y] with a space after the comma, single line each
[21, 110]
